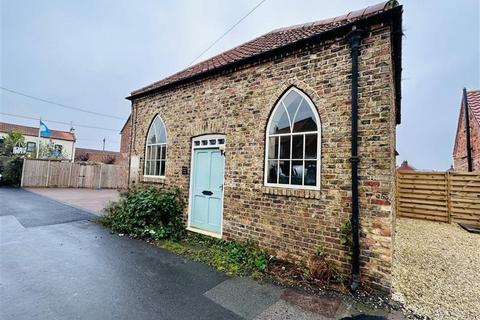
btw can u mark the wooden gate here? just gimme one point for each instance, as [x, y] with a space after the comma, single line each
[439, 196]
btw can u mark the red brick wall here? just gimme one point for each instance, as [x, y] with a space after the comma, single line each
[460, 150]
[126, 136]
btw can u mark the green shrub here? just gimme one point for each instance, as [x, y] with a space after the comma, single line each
[148, 213]
[11, 171]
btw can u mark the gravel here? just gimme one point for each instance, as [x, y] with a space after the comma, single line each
[436, 270]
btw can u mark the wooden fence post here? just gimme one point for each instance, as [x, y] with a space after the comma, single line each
[100, 177]
[70, 175]
[449, 198]
[48, 174]
[23, 172]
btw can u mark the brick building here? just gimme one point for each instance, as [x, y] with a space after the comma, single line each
[259, 138]
[126, 136]
[460, 154]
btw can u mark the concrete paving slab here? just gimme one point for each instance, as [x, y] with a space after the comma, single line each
[282, 310]
[324, 306]
[244, 296]
[91, 200]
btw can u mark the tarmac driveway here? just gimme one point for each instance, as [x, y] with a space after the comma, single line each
[55, 264]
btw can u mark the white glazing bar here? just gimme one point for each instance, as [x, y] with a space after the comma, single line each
[288, 116]
[293, 133]
[303, 161]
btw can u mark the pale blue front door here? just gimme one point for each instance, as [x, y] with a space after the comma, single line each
[207, 190]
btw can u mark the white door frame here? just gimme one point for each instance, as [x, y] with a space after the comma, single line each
[208, 141]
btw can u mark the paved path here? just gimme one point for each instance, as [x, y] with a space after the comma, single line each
[91, 200]
[57, 264]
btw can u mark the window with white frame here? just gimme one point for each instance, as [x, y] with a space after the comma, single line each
[31, 146]
[293, 143]
[156, 149]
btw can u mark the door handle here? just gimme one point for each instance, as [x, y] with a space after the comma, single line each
[207, 193]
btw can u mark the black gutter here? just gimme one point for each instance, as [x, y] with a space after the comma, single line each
[467, 131]
[354, 39]
[394, 15]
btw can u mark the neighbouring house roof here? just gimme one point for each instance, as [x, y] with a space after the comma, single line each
[473, 101]
[282, 39]
[32, 131]
[96, 151]
[83, 154]
[405, 167]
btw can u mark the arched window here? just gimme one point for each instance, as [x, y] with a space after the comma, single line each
[156, 149]
[293, 143]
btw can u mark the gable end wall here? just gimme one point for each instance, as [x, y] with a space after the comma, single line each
[293, 224]
[460, 148]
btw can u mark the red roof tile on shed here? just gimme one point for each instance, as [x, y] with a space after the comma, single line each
[267, 42]
[32, 131]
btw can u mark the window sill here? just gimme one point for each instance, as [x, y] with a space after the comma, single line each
[290, 192]
[153, 179]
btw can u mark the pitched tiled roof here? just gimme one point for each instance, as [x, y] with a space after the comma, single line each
[268, 42]
[96, 151]
[473, 100]
[32, 131]
[405, 166]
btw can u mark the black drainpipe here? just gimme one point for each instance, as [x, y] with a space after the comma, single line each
[355, 37]
[467, 131]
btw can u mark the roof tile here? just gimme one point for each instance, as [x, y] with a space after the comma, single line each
[32, 131]
[473, 98]
[267, 42]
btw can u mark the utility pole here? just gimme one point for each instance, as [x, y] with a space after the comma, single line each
[103, 144]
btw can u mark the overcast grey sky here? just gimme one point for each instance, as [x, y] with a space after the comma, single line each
[92, 53]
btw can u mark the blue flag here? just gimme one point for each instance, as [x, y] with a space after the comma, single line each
[44, 131]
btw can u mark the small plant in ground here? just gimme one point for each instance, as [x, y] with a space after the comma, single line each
[321, 268]
[346, 236]
[320, 251]
[147, 213]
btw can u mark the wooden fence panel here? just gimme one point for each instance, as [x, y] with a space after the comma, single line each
[59, 173]
[37, 173]
[113, 175]
[45, 173]
[465, 198]
[439, 196]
